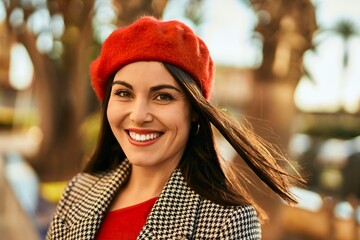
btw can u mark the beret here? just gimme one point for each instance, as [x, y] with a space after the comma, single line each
[151, 39]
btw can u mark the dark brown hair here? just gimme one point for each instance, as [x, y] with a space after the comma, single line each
[209, 175]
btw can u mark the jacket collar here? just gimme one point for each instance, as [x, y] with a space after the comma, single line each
[107, 187]
[173, 215]
[175, 212]
[96, 193]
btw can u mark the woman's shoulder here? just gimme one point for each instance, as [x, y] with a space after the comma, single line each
[235, 221]
[76, 188]
[82, 181]
[210, 208]
[80, 184]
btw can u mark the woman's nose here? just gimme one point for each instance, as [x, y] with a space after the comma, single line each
[140, 112]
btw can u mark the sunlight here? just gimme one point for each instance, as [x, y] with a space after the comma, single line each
[2, 12]
[230, 39]
[230, 43]
[335, 87]
[21, 68]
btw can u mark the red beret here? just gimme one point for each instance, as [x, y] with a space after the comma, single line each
[150, 39]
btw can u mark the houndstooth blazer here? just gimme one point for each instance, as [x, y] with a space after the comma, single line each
[179, 212]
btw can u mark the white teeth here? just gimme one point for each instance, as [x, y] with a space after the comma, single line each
[143, 137]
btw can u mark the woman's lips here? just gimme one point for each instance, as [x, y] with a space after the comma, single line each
[143, 137]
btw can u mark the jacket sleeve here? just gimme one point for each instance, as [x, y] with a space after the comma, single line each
[242, 224]
[58, 224]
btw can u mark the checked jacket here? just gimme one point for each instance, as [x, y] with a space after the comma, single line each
[179, 212]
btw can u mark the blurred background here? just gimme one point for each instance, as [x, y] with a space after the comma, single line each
[291, 67]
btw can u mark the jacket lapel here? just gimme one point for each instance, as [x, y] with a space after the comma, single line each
[174, 214]
[92, 208]
[107, 187]
[172, 217]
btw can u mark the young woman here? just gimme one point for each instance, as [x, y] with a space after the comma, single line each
[156, 173]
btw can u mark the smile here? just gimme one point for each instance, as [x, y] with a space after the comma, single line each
[143, 137]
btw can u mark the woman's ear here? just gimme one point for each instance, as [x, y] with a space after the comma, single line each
[194, 116]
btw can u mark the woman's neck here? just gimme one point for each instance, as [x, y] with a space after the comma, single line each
[143, 184]
[144, 181]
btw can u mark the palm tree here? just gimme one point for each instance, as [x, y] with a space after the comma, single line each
[287, 28]
[346, 30]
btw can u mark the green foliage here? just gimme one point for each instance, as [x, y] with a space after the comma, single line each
[194, 11]
[90, 130]
[332, 125]
[6, 118]
[11, 119]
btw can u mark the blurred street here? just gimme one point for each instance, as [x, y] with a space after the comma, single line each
[18, 189]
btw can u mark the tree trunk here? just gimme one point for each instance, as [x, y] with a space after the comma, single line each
[66, 100]
[287, 29]
[129, 11]
[60, 86]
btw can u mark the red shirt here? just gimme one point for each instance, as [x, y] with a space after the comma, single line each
[125, 223]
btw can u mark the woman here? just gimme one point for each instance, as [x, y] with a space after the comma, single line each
[156, 173]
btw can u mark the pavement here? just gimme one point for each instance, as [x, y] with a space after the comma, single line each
[25, 142]
[18, 186]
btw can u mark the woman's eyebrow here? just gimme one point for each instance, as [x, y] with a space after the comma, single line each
[162, 86]
[122, 83]
[152, 89]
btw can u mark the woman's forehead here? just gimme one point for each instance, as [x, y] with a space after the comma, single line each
[145, 73]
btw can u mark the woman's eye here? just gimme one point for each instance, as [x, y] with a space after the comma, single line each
[123, 93]
[164, 97]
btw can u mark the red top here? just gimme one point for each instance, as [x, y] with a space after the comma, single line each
[125, 223]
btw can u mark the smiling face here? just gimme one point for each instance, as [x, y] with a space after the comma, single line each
[149, 115]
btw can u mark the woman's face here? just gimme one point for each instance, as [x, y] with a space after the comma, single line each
[149, 115]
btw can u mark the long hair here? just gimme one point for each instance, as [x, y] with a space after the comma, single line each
[205, 171]
[108, 153]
